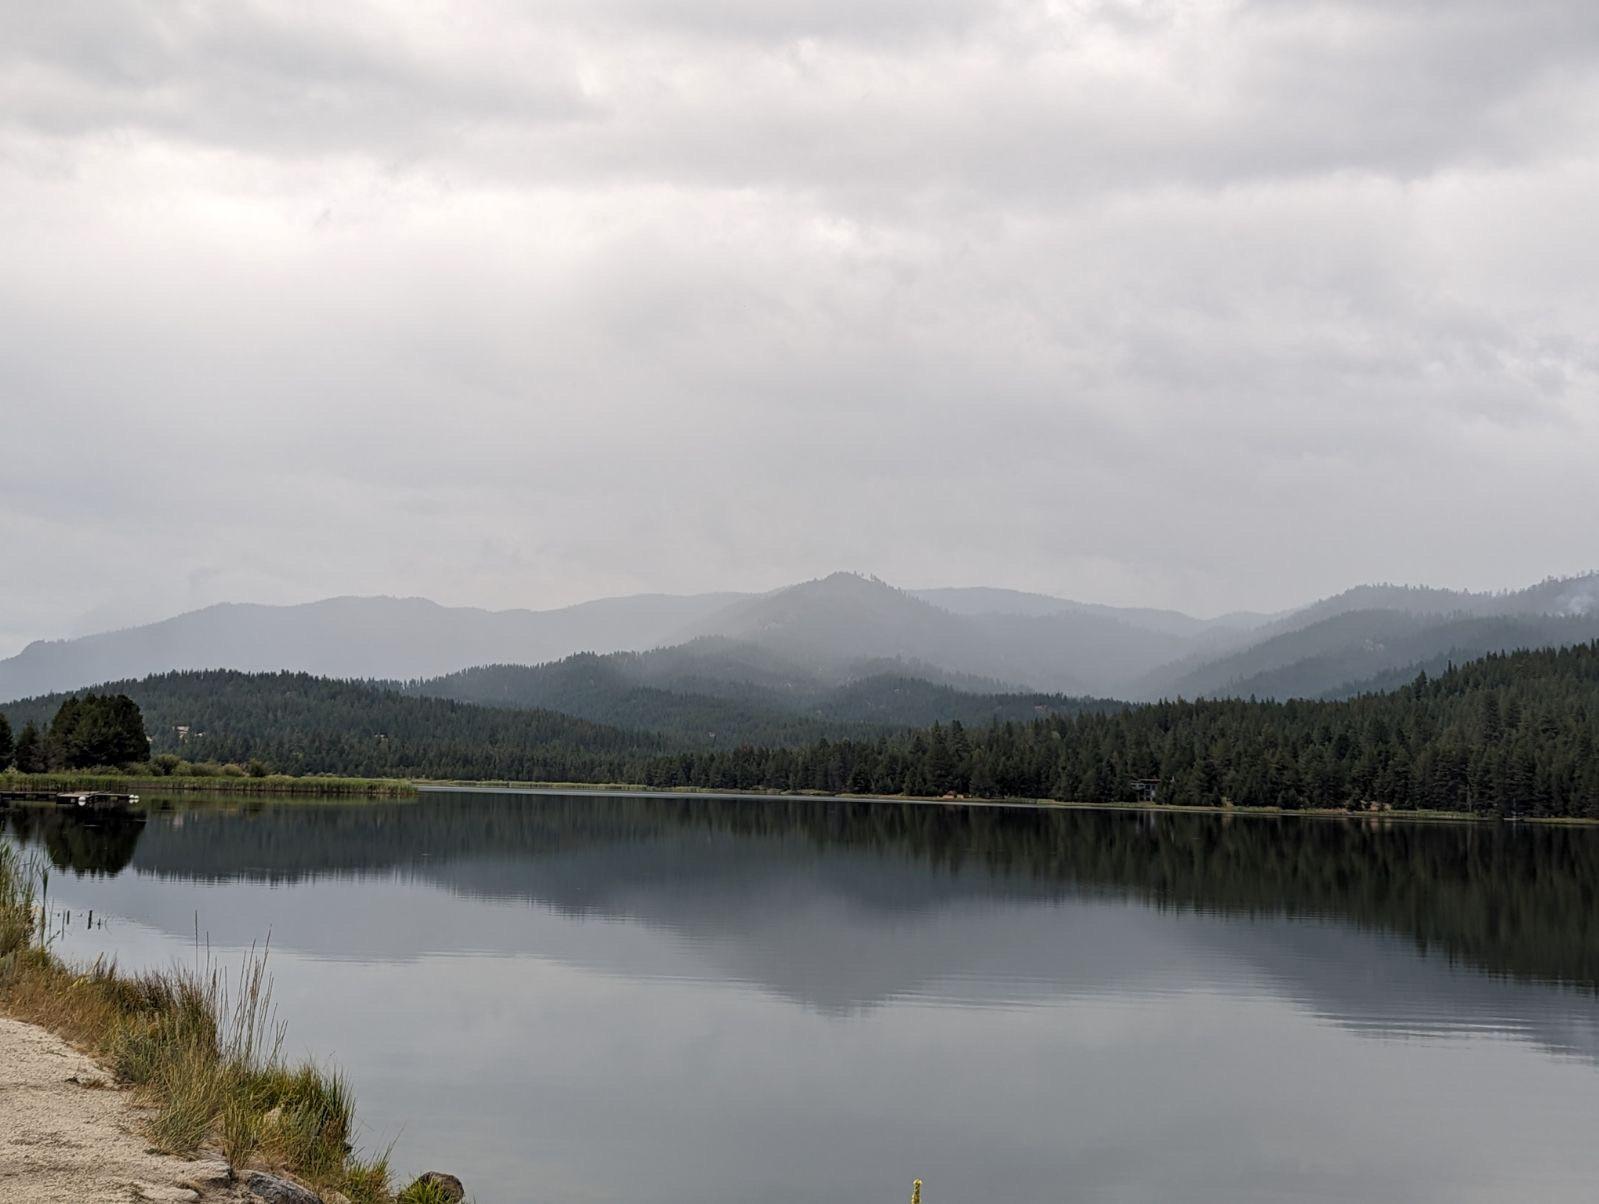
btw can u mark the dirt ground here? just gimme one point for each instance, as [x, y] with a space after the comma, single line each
[68, 1136]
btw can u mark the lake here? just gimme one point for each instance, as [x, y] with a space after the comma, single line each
[592, 998]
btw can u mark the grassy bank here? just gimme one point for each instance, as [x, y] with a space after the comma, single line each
[219, 782]
[200, 1047]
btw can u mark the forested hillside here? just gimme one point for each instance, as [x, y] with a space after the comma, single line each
[296, 723]
[1511, 734]
[715, 692]
[612, 690]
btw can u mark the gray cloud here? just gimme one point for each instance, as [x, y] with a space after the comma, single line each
[259, 77]
[1211, 305]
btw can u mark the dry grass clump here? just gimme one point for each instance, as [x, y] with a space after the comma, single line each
[425, 1193]
[203, 1050]
[239, 1130]
[366, 1180]
[308, 1115]
[190, 1093]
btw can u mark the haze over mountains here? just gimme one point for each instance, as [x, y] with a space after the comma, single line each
[351, 637]
[818, 637]
[718, 691]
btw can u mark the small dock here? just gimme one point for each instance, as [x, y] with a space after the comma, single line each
[97, 800]
[88, 800]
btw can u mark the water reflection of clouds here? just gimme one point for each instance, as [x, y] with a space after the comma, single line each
[562, 1044]
[723, 1016]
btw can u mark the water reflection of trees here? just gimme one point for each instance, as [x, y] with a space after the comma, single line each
[99, 843]
[1510, 899]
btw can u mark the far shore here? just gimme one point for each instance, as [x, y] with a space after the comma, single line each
[321, 786]
[630, 790]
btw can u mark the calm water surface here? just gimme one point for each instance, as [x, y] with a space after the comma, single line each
[665, 1000]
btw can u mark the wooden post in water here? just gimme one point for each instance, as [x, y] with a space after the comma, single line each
[916, 1192]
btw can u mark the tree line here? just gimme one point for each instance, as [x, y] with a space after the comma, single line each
[94, 730]
[299, 724]
[1512, 734]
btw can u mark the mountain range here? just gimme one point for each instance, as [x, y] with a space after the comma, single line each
[844, 648]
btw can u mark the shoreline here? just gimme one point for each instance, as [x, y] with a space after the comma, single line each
[286, 786]
[185, 1063]
[621, 790]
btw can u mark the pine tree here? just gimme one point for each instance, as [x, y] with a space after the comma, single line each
[97, 730]
[30, 754]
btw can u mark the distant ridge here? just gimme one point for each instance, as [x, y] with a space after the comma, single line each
[1329, 648]
[350, 637]
[845, 627]
[981, 600]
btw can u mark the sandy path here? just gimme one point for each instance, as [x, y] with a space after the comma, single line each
[68, 1137]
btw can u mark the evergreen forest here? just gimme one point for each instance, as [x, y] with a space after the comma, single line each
[1511, 734]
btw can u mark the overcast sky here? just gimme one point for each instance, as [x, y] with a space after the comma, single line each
[1208, 304]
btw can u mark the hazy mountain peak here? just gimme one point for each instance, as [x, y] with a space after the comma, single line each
[838, 618]
[841, 586]
[828, 628]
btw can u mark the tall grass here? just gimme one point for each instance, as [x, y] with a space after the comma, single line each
[203, 1049]
[209, 780]
[239, 1130]
[17, 917]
